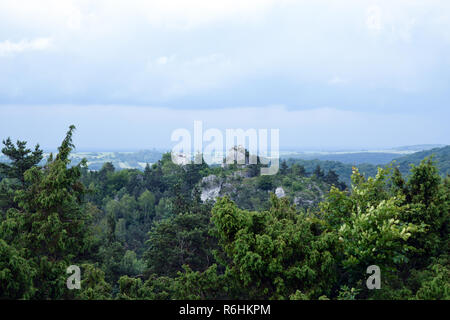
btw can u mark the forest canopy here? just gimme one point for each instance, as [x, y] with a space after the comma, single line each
[154, 234]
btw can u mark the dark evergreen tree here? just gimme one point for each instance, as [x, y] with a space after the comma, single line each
[318, 172]
[284, 169]
[51, 223]
[21, 159]
[332, 178]
[298, 170]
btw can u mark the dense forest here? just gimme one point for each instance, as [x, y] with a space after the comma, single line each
[220, 232]
[441, 156]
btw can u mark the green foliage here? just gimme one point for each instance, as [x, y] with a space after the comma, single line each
[146, 204]
[21, 159]
[50, 226]
[274, 253]
[265, 183]
[207, 285]
[348, 294]
[182, 239]
[131, 265]
[429, 201]
[435, 282]
[93, 284]
[16, 274]
[155, 288]
[318, 172]
[148, 235]
[440, 155]
[129, 288]
[389, 222]
[375, 232]
[298, 170]
[52, 208]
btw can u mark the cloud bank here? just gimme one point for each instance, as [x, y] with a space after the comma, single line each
[380, 60]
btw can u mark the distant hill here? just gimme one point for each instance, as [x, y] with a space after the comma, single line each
[440, 155]
[344, 170]
[419, 147]
[353, 158]
[375, 157]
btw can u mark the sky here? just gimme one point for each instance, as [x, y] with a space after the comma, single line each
[328, 74]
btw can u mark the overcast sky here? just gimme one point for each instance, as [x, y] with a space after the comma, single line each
[328, 74]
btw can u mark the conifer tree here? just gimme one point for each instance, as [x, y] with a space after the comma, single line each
[21, 159]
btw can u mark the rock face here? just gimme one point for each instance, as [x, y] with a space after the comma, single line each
[236, 154]
[239, 174]
[245, 193]
[211, 186]
[279, 192]
[180, 158]
[298, 201]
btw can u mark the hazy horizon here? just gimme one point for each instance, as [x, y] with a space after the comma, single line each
[299, 150]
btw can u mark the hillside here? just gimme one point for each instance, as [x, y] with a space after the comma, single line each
[252, 193]
[353, 158]
[375, 157]
[440, 155]
[343, 170]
